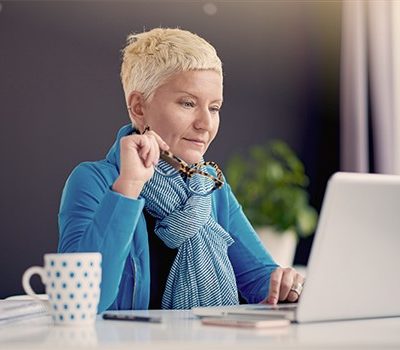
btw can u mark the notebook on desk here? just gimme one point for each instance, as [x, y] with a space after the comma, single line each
[353, 269]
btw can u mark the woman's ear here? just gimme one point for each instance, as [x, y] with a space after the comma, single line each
[135, 109]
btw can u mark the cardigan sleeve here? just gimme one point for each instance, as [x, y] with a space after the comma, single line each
[93, 218]
[251, 262]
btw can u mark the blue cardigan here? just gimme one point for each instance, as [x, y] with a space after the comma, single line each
[94, 218]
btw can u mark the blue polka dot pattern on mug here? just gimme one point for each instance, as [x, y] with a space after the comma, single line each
[74, 282]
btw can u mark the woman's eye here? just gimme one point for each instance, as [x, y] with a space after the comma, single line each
[215, 109]
[188, 104]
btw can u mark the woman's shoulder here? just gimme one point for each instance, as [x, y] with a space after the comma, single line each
[225, 201]
[224, 196]
[99, 166]
[99, 172]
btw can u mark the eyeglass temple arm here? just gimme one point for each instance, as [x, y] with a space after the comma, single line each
[172, 160]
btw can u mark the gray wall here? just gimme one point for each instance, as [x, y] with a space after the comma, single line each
[61, 101]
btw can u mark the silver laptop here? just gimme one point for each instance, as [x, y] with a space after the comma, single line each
[354, 266]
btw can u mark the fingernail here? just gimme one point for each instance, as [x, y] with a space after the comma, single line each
[273, 300]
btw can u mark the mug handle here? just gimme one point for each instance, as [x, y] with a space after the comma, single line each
[26, 278]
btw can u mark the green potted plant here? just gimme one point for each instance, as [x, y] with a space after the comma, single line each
[271, 185]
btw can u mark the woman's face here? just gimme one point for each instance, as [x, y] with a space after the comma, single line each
[185, 112]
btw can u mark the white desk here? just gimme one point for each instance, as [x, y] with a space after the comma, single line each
[180, 330]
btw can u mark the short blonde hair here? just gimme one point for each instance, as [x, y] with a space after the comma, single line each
[150, 58]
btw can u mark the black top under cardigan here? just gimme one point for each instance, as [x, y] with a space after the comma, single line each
[161, 260]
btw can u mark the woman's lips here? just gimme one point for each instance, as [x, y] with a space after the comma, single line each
[198, 143]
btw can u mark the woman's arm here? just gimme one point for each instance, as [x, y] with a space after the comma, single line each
[94, 218]
[258, 277]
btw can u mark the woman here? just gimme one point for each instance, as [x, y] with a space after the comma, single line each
[168, 240]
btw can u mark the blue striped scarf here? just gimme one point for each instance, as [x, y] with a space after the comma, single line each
[201, 274]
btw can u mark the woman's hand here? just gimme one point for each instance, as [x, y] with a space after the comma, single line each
[282, 283]
[139, 154]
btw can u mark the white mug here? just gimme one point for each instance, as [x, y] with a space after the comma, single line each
[72, 283]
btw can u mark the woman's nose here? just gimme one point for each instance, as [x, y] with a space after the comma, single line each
[203, 119]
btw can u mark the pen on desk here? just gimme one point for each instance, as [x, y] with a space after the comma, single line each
[125, 317]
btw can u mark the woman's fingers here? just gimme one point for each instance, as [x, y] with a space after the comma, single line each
[293, 295]
[281, 282]
[274, 286]
[149, 149]
[151, 155]
[286, 283]
[154, 152]
[144, 147]
[161, 143]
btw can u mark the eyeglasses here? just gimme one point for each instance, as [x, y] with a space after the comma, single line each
[198, 180]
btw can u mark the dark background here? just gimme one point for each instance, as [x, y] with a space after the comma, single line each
[61, 101]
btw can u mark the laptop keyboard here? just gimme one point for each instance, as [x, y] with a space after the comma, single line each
[279, 307]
